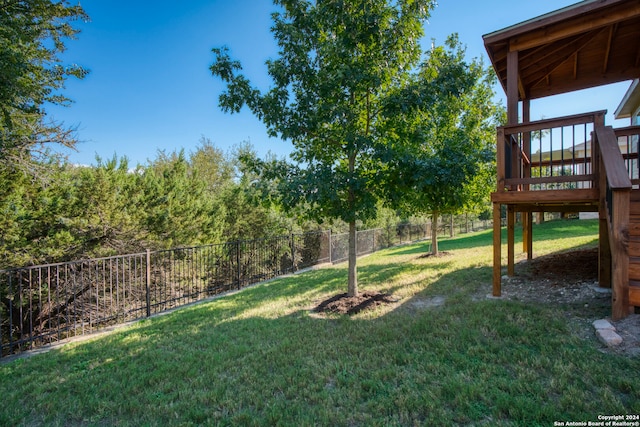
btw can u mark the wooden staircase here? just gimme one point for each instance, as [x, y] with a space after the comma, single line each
[634, 248]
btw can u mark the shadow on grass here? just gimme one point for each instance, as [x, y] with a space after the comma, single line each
[468, 360]
[550, 230]
[258, 357]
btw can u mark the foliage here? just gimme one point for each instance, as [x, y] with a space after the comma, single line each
[338, 62]
[442, 149]
[32, 37]
[112, 208]
[177, 210]
[31, 220]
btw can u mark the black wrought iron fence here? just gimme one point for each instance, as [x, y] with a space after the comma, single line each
[47, 303]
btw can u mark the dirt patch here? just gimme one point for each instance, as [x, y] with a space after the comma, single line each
[566, 278]
[570, 280]
[440, 254]
[344, 304]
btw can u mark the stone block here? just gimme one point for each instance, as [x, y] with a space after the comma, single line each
[608, 337]
[603, 324]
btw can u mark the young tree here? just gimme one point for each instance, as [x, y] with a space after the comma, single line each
[338, 63]
[32, 38]
[443, 149]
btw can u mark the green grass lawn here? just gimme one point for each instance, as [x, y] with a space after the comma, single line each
[260, 357]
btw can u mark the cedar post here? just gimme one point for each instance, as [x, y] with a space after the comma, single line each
[497, 246]
[527, 217]
[620, 225]
[511, 221]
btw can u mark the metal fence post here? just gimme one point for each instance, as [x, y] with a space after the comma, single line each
[238, 267]
[330, 246]
[293, 252]
[148, 283]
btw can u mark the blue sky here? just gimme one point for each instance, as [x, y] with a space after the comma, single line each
[150, 87]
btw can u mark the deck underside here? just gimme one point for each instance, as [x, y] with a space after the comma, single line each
[578, 200]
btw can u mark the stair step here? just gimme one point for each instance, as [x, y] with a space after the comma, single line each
[634, 268]
[634, 293]
[634, 246]
[634, 228]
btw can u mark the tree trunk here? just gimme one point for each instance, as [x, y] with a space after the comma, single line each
[434, 233]
[352, 287]
[353, 272]
[451, 233]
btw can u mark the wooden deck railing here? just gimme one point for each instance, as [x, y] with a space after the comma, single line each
[615, 188]
[628, 145]
[553, 154]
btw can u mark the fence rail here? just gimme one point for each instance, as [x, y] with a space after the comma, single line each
[43, 304]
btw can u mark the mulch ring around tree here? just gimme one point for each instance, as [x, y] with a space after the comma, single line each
[440, 254]
[344, 304]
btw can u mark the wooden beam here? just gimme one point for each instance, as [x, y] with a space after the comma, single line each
[555, 53]
[612, 30]
[546, 89]
[634, 296]
[572, 26]
[497, 250]
[528, 207]
[577, 196]
[544, 71]
[576, 119]
[500, 158]
[550, 179]
[527, 217]
[620, 255]
[604, 255]
[617, 175]
[550, 19]
[511, 223]
[512, 88]
[521, 89]
[529, 245]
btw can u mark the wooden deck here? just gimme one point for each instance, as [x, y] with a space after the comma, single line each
[572, 163]
[589, 173]
[574, 200]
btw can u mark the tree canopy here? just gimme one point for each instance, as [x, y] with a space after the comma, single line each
[338, 63]
[32, 37]
[440, 147]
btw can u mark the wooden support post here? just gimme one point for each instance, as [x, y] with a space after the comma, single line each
[497, 250]
[527, 226]
[500, 159]
[530, 241]
[527, 217]
[525, 230]
[620, 223]
[604, 251]
[511, 222]
[512, 88]
[604, 247]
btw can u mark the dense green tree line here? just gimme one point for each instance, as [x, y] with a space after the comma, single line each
[112, 208]
[378, 126]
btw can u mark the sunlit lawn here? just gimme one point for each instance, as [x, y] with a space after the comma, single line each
[260, 357]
